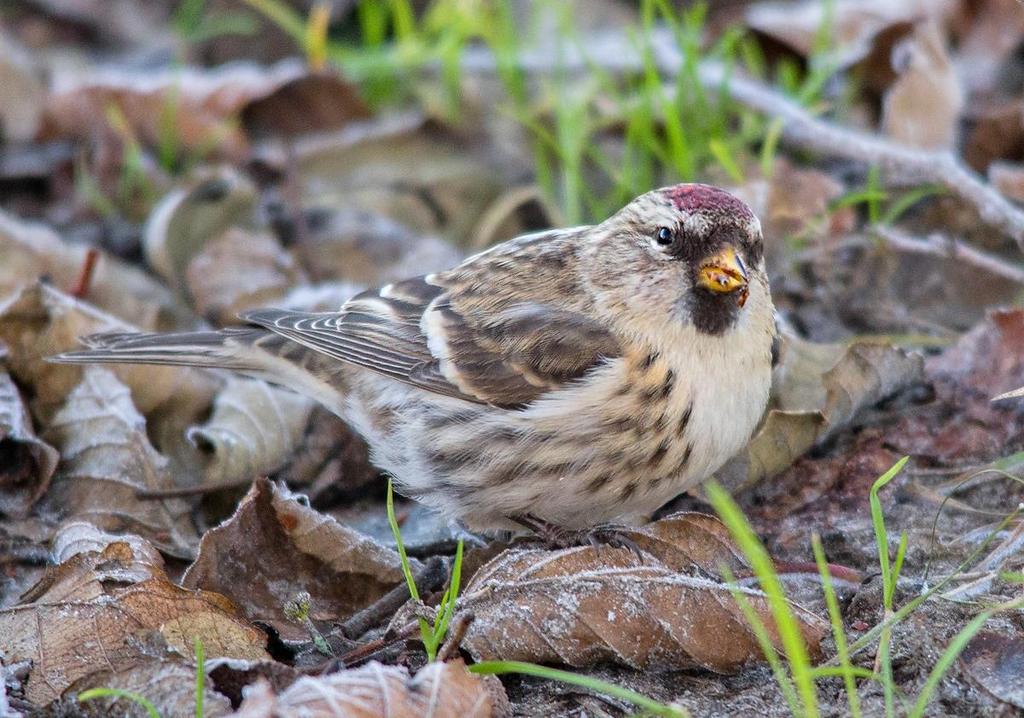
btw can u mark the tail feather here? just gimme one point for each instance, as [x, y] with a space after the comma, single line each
[226, 349]
[253, 351]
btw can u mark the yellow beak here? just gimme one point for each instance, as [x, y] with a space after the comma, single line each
[724, 273]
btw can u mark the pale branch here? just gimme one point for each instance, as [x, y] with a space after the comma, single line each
[614, 52]
[938, 245]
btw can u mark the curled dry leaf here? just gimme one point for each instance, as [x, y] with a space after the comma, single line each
[438, 690]
[106, 458]
[203, 104]
[588, 605]
[255, 428]
[26, 462]
[853, 23]
[275, 546]
[408, 170]
[30, 251]
[368, 249]
[78, 537]
[817, 389]
[189, 216]
[38, 321]
[170, 685]
[239, 270]
[923, 106]
[94, 612]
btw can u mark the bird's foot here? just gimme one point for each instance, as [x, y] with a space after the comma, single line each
[559, 537]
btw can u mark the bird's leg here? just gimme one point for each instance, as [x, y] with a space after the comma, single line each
[559, 537]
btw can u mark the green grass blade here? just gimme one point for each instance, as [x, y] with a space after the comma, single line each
[497, 668]
[200, 674]
[785, 622]
[838, 631]
[955, 647]
[94, 693]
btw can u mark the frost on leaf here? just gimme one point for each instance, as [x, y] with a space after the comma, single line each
[106, 458]
[26, 461]
[439, 690]
[275, 546]
[96, 613]
[589, 605]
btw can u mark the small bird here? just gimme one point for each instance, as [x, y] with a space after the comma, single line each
[558, 381]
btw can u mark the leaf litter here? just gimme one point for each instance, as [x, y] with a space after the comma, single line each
[282, 186]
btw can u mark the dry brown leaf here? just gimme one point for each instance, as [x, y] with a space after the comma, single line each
[26, 462]
[239, 270]
[408, 170]
[994, 661]
[189, 216]
[275, 546]
[854, 23]
[315, 102]
[202, 104]
[22, 93]
[78, 537]
[438, 690]
[923, 106]
[106, 458]
[990, 34]
[588, 605]
[30, 251]
[817, 389]
[255, 428]
[94, 611]
[368, 249]
[170, 685]
[38, 321]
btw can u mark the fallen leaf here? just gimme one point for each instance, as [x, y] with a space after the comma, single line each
[275, 546]
[38, 321]
[26, 462]
[254, 429]
[995, 662]
[189, 216]
[368, 249]
[30, 251]
[239, 270]
[379, 691]
[203, 104]
[22, 93]
[990, 33]
[79, 537]
[922, 108]
[170, 685]
[817, 389]
[314, 102]
[987, 359]
[93, 613]
[106, 458]
[853, 24]
[588, 605]
[404, 168]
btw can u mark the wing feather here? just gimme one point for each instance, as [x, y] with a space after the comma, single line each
[441, 334]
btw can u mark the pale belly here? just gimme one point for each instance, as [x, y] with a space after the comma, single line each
[614, 447]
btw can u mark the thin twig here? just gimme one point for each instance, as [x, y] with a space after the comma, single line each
[84, 282]
[937, 245]
[898, 164]
[430, 578]
[455, 635]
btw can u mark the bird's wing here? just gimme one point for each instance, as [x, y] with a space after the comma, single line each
[419, 332]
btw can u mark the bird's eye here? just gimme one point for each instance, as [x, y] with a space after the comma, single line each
[663, 236]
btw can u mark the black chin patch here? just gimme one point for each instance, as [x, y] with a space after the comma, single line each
[712, 313]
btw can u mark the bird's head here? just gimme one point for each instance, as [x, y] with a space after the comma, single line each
[690, 253]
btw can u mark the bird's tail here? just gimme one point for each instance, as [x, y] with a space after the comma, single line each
[252, 351]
